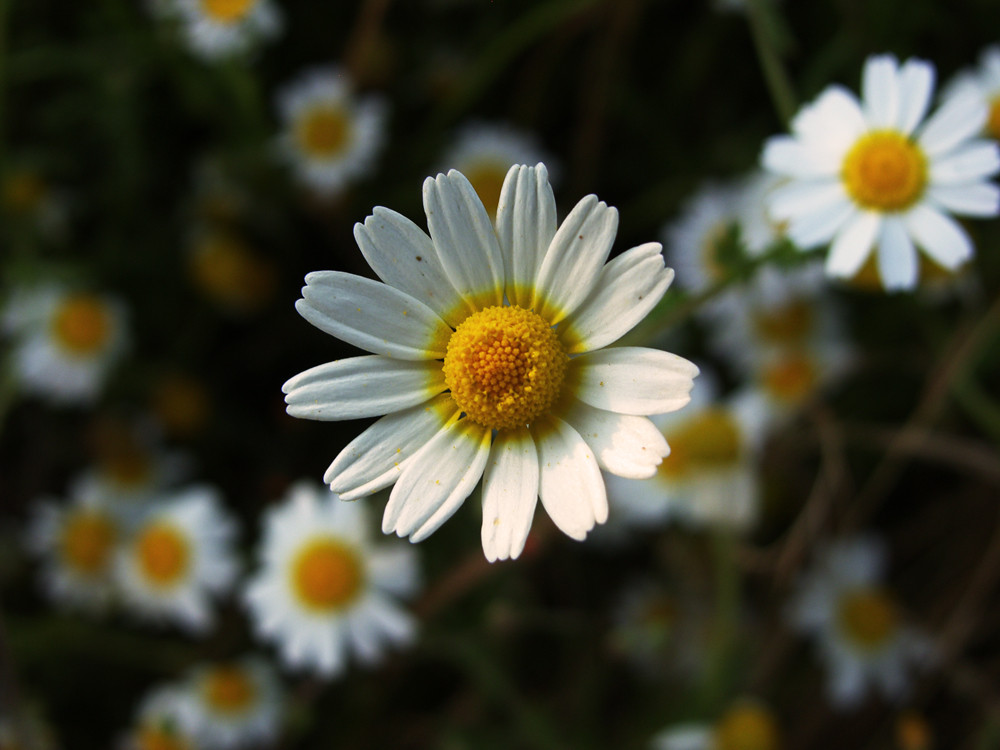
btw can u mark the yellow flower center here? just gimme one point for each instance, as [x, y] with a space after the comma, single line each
[161, 738]
[229, 689]
[22, 192]
[487, 179]
[885, 171]
[181, 403]
[163, 552]
[788, 324]
[82, 324]
[913, 732]
[227, 11]
[746, 727]
[504, 366]
[129, 467]
[327, 575]
[791, 378]
[87, 541]
[229, 272]
[323, 131]
[708, 440]
[993, 121]
[868, 617]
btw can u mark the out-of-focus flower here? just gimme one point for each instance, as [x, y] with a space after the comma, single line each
[181, 404]
[534, 404]
[329, 136]
[484, 153]
[913, 732]
[323, 590]
[860, 630]
[229, 273]
[26, 196]
[747, 725]
[160, 724]
[215, 29]
[876, 173]
[65, 341]
[982, 82]
[179, 556]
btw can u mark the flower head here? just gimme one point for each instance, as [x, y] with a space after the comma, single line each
[880, 173]
[222, 28]
[487, 361]
[982, 82]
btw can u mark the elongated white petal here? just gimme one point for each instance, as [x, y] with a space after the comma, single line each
[632, 380]
[526, 224]
[362, 387]
[464, 238]
[916, 84]
[972, 161]
[373, 316]
[852, 245]
[958, 119]
[570, 485]
[625, 445]
[375, 458]
[978, 199]
[818, 227]
[793, 158]
[801, 197]
[897, 257]
[437, 480]
[574, 259]
[832, 123]
[940, 236]
[627, 289]
[880, 91]
[510, 493]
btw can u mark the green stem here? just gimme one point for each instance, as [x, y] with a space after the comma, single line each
[778, 83]
[727, 605]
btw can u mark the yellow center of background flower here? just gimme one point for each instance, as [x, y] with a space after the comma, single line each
[323, 131]
[504, 366]
[327, 575]
[993, 121]
[487, 180]
[82, 324]
[227, 11]
[22, 192]
[226, 270]
[885, 171]
[746, 727]
[868, 617]
[229, 689]
[788, 324]
[87, 541]
[706, 441]
[181, 403]
[791, 378]
[161, 738]
[163, 553]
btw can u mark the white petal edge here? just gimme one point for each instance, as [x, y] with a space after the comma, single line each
[526, 224]
[897, 257]
[880, 91]
[978, 199]
[788, 156]
[940, 236]
[852, 245]
[916, 85]
[970, 162]
[803, 198]
[510, 493]
[819, 227]
[625, 445]
[958, 119]
[632, 380]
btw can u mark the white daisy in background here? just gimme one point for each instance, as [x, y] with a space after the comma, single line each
[77, 541]
[859, 628]
[222, 28]
[64, 342]
[484, 153]
[160, 722]
[330, 136]
[489, 361]
[747, 725]
[982, 82]
[323, 589]
[178, 557]
[233, 704]
[877, 174]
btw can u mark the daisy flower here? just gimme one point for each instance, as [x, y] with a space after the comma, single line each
[842, 602]
[65, 342]
[233, 704]
[222, 28]
[488, 361]
[984, 83]
[879, 173]
[329, 136]
[160, 724]
[484, 153]
[179, 556]
[323, 589]
[228, 272]
[747, 725]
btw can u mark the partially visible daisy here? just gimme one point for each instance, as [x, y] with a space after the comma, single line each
[747, 725]
[178, 558]
[485, 152]
[229, 272]
[489, 361]
[65, 342]
[323, 590]
[330, 136]
[859, 628]
[160, 722]
[982, 82]
[222, 28]
[880, 174]
[233, 704]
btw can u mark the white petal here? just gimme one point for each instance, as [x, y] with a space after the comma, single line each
[574, 259]
[897, 258]
[819, 226]
[969, 162]
[362, 387]
[916, 84]
[788, 156]
[832, 123]
[464, 238]
[627, 289]
[880, 91]
[570, 486]
[375, 458]
[852, 245]
[403, 256]
[958, 119]
[978, 199]
[510, 492]
[632, 380]
[393, 568]
[804, 197]
[438, 479]
[526, 224]
[373, 316]
[940, 236]
[626, 445]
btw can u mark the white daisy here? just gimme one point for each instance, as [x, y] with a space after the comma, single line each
[229, 272]
[160, 724]
[179, 556]
[323, 589]
[65, 342]
[982, 82]
[488, 361]
[842, 602]
[330, 136]
[223, 28]
[233, 704]
[876, 173]
[747, 725]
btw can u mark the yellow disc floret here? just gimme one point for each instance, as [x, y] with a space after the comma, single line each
[322, 132]
[326, 575]
[229, 689]
[163, 553]
[792, 377]
[87, 541]
[227, 11]
[82, 324]
[787, 324]
[885, 171]
[704, 442]
[746, 726]
[163, 737]
[505, 367]
[993, 121]
[868, 617]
